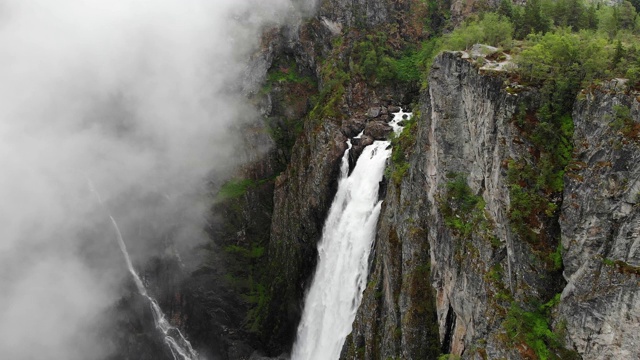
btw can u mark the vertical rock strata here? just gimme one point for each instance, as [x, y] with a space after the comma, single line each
[348, 103]
[427, 268]
[448, 264]
[600, 222]
[397, 316]
[466, 137]
[302, 198]
[469, 135]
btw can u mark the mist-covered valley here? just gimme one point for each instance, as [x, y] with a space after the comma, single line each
[135, 104]
[333, 179]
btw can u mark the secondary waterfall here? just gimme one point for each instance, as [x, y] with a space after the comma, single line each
[341, 274]
[177, 343]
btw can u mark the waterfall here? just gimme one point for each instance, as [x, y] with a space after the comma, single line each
[340, 279]
[173, 338]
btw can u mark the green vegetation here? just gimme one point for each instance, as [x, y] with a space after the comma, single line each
[246, 277]
[448, 357]
[495, 274]
[290, 86]
[622, 266]
[488, 28]
[559, 38]
[334, 78]
[533, 329]
[585, 42]
[495, 277]
[556, 258]
[243, 243]
[288, 74]
[252, 253]
[402, 146]
[559, 45]
[259, 299]
[373, 59]
[462, 210]
[549, 39]
[624, 123]
[284, 133]
[235, 188]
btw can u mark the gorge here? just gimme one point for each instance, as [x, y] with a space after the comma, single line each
[499, 219]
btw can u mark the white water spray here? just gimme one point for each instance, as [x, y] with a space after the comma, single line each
[399, 117]
[341, 275]
[177, 343]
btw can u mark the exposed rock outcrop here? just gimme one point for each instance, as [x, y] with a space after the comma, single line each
[302, 197]
[466, 136]
[600, 222]
[450, 266]
[397, 318]
[439, 261]
[349, 103]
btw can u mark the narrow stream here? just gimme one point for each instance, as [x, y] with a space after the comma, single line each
[180, 347]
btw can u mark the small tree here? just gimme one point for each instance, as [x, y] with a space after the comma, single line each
[533, 20]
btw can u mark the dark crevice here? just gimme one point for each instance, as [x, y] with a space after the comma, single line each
[449, 326]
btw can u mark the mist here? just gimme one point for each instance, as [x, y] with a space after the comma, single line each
[136, 98]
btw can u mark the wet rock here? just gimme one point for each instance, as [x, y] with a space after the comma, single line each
[357, 149]
[374, 112]
[394, 109]
[301, 203]
[378, 130]
[353, 127]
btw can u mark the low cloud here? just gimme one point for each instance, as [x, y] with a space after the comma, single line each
[137, 97]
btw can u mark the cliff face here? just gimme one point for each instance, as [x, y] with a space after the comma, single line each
[449, 253]
[302, 198]
[601, 226]
[479, 262]
[470, 136]
[397, 318]
[466, 258]
[347, 104]
[440, 264]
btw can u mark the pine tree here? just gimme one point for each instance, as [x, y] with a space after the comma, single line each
[532, 20]
[618, 54]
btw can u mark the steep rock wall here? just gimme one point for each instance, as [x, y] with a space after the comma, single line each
[397, 318]
[600, 221]
[444, 275]
[469, 135]
[347, 104]
[479, 263]
[302, 196]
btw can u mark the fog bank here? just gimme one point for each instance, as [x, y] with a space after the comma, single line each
[137, 97]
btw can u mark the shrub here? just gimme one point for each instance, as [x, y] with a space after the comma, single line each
[235, 188]
[532, 328]
[491, 29]
[462, 210]
[402, 146]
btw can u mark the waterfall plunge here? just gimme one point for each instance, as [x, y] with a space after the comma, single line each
[341, 276]
[347, 238]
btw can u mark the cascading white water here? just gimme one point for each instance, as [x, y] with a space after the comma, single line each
[180, 347]
[341, 274]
